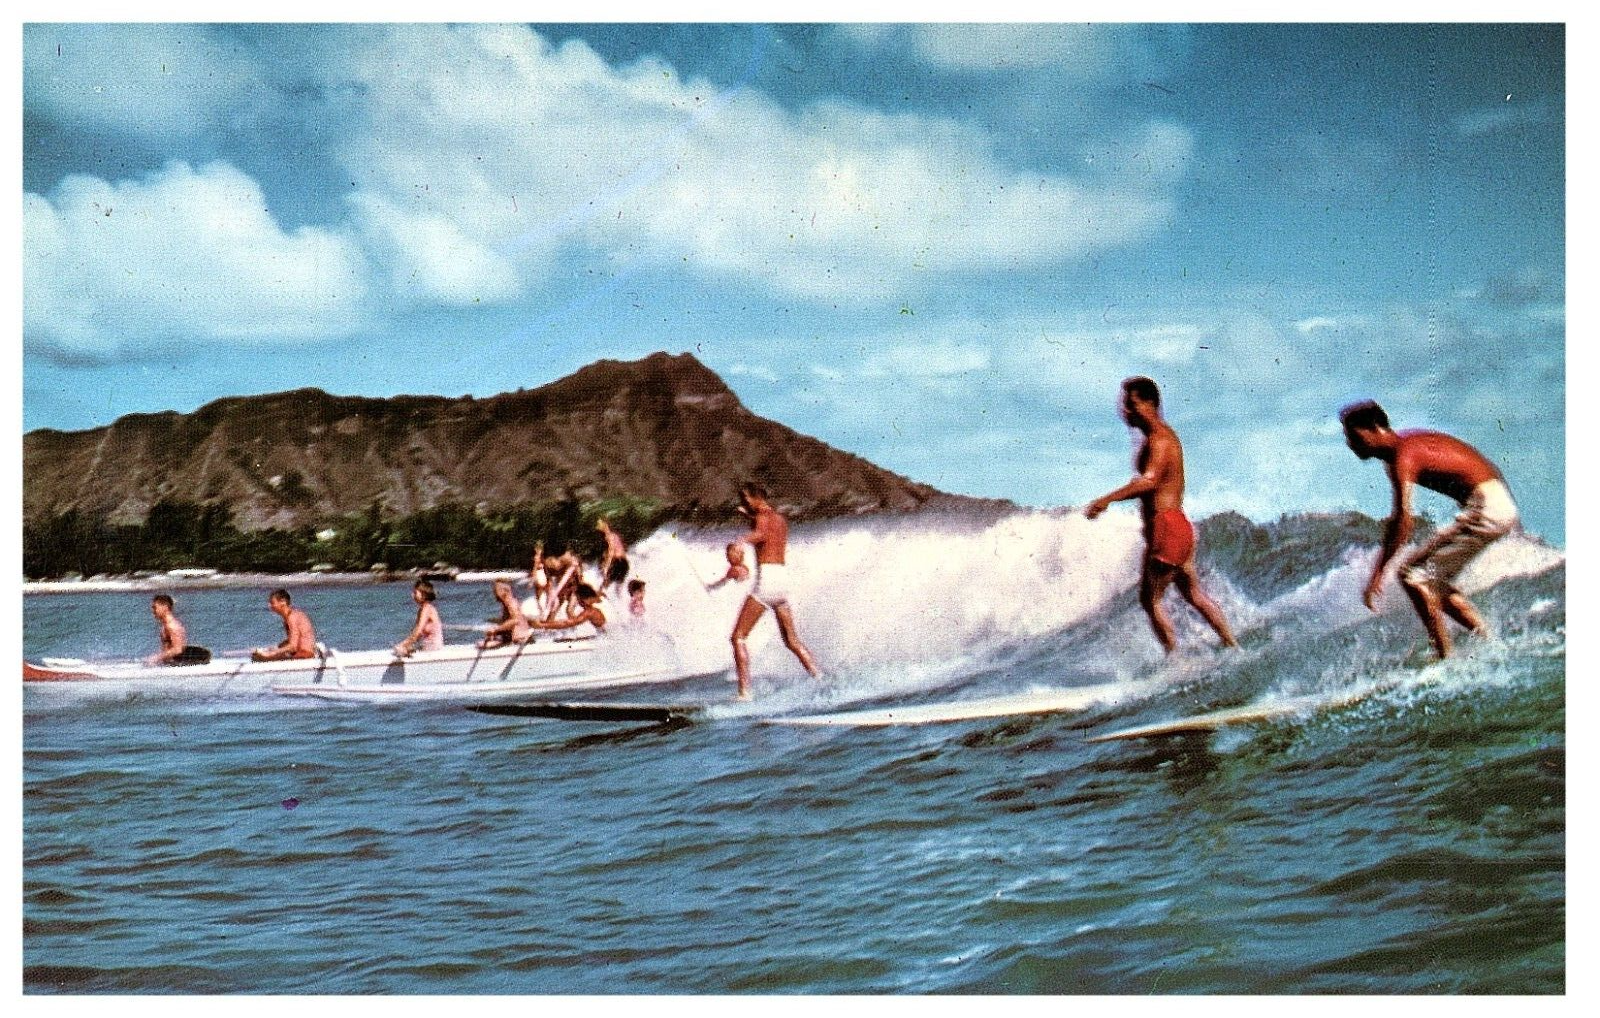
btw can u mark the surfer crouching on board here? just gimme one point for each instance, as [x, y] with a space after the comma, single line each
[300, 640]
[1168, 535]
[1451, 467]
[770, 538]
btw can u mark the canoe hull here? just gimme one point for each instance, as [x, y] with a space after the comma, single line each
[464, 672]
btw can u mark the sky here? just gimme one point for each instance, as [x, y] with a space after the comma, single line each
[939, 246]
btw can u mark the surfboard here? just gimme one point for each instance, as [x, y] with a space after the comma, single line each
[1059, 701]
[655, 713]
[1015, 704]
[1263, 710]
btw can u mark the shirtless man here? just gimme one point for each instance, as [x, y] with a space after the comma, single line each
[770, 538]
[300, 640]
[1169, 537]
[565, 572]
[173, 636]
[1451, 467]
[587, 611]
[614, 563]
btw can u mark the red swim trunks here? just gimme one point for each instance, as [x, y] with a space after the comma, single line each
[1171, 537]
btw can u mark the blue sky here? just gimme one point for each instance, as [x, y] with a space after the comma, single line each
[938, 246]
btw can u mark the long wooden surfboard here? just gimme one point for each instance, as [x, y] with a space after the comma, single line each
[1059, 701]
[1014, 704]
[656, 713]
[1263, 710]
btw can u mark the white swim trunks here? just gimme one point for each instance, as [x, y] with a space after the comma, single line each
[1488, 515]
[772, 584]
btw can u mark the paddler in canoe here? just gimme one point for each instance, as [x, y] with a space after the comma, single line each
[565, 572]
[175, 649]
[428, 633]
[300, 639]
[513, 625]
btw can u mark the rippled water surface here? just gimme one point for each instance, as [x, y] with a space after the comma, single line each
[1412, 842]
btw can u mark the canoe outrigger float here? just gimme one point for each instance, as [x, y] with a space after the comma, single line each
[463, 674]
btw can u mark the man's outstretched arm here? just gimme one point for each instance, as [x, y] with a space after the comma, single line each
[1396, 532]
[1141, 485]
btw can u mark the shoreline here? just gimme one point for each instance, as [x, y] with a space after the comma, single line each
[225, 581]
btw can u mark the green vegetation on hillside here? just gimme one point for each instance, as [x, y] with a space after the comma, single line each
[177, 534]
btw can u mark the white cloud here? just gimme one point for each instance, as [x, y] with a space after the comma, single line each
[482, 157]
[760, 371]
[1081, 51]
[939, 359]
[1315, 322]
[1254, 395]
[430, 259]
[531, 150]
[180, 255]
[1316, 162]
[1068, 361]
[149, 80]
[1504, 116]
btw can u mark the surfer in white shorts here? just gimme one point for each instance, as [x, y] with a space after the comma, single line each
[1451, 467]
[770, 538]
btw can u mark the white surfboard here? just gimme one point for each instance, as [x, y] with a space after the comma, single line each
[1262, 710]
[1015, 704]
[654, 713]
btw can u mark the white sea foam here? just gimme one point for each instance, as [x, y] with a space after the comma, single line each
[898, 602]
[897, 605]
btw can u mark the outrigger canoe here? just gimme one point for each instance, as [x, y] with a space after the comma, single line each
[458, 673]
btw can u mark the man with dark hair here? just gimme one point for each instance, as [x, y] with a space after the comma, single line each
[1145, 388]
[769, 536]
[300, 640]
[1366, 415]
[1451, 467]
[1169, 537]
[174, 639]
[587, 612]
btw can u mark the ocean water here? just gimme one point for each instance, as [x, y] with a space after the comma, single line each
[1413, 842]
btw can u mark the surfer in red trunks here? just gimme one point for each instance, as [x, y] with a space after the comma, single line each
[1451, 467]
[1169, 537]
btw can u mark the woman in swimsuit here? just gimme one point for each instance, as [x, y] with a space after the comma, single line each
[428, 633]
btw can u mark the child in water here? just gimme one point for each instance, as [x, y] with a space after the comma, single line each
[737, 572]
[636, 598]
